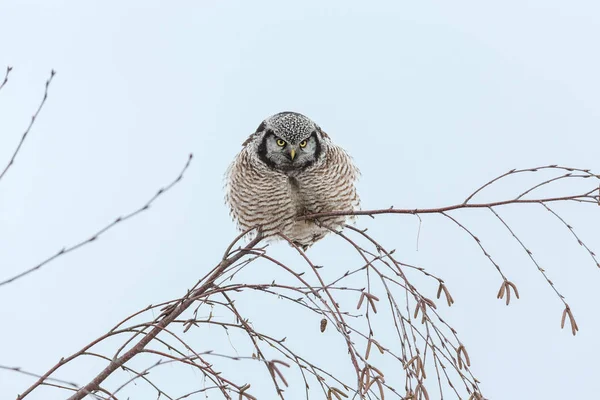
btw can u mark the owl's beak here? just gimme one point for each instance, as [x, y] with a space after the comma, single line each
[292, 154]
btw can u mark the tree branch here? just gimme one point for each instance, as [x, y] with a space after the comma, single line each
[33, 118]
[100, 232]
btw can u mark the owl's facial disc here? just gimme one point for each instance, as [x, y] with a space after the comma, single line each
[287, 156]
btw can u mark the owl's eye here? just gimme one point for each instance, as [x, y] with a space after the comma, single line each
[303, 144]
[280, 142]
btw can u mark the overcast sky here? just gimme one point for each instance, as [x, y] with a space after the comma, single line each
[432, 99]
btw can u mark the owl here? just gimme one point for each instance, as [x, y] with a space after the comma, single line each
[290, 168]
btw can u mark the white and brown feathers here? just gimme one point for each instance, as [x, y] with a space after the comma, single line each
[288, 168]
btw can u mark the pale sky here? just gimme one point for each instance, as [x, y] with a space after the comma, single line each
[432, 99]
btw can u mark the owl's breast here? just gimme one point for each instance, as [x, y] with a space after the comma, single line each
[297, 196]
[309, 193]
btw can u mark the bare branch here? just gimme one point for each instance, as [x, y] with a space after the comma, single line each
[100, 232]
[23, 372]
[8, 69]
[380, 286]
[223, 265]
[33, 119]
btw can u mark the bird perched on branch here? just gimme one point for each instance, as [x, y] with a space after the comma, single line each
[289, 168]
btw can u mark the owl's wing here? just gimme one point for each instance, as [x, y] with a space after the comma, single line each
[257, 195]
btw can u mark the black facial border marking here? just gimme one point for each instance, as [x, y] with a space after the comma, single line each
[317, 148]
[262, 149]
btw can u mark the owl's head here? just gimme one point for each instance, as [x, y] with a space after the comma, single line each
[289, 142]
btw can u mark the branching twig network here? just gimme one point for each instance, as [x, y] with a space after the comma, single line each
[375, 295]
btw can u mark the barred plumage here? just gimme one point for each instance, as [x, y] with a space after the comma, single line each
[289, 167]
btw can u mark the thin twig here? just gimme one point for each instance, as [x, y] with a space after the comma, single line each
[8, 69]
[100, 232]
[31, 122]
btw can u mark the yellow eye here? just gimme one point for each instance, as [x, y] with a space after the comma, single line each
[303, 144]
[280, 142]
